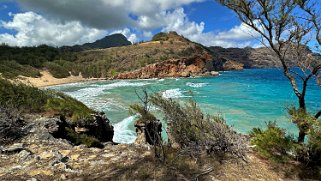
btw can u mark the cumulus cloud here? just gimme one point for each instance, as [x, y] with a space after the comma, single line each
[238, 36]
[66, 22]
[102, 14]
[33, 29]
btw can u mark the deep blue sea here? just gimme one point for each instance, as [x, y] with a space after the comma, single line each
[246, 99]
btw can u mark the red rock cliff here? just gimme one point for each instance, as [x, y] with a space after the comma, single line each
[185, 67]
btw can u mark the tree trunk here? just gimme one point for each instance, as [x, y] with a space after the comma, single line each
[301, 135]
[302, 128]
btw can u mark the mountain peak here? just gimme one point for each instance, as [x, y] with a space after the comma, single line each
[114, 40]
[169, 36]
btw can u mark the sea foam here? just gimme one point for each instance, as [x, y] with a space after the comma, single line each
[123, 134]
[172, 93]
[196, 85]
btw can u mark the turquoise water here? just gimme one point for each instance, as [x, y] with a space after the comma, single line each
[246, 99]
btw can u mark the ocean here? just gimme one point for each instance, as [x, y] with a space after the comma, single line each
[246, 99]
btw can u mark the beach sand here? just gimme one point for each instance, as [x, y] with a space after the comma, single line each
[47, 79]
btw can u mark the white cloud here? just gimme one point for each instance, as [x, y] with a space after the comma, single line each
[33, 29]
[102, 14]
[76, 23]
[238, 36]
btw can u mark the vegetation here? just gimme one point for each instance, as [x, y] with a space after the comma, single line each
[160, 37]
[78, 139]
[194, 132]
[33, 100]
[272, 143]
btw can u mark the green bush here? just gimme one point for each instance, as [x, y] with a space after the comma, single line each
[57, 70]
[33, 100]
[160, 37]
[188, 127]
[67, 106]
[314, 144]
[272, 143]
[12, 69]
[24, 97]
[79, 139]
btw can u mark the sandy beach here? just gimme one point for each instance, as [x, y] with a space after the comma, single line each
[47, 79]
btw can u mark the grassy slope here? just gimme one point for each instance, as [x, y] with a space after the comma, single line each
[33, 100]
[98, 63]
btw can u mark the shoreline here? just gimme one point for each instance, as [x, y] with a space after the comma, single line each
[47, 80]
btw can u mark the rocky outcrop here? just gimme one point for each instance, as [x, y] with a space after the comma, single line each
[99, 127]
[149, 132]
[225, 64]
[253, 57]
[232, 65]
[185, 67]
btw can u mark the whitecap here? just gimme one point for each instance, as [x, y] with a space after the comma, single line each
[196, 85]
[124, 84]
[123, 134]
[172, 93]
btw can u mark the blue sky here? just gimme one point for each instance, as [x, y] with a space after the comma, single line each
[63, 22]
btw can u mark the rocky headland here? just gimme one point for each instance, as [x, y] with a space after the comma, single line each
[186, 67]
[38, 154]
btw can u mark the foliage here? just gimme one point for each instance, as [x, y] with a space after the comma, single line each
[314, 144]
[160, 37]
[33, 100]
[78, 139]
[272, 142]
[11, 126]
[12, 69]
[24, 97]
[57, 70]
[188, 127]
[145, 116]
[67, 106]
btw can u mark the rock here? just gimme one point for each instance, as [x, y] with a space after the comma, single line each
[149, 133]
[41, 172]
[74, 156]
[65, 152]
[46, 155]
[63, 177]
[80, 130]
[17, 147]
[252, 57]
[184, 67]
[232, 65]
[214, 73]
[24, 154]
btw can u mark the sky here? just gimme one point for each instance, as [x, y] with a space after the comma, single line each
[70, 22]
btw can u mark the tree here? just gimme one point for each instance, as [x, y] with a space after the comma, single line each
[287, 27]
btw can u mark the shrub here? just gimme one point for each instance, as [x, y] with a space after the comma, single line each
[11, 125]
[160, 36]
[272, 143]
[188, 127]
[67, 106]
[26, 98]
[12, 69]
[314, 144]
[57, 70]
[78, 139]
[33, 100]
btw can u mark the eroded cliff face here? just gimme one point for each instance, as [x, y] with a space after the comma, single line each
[184, 67]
